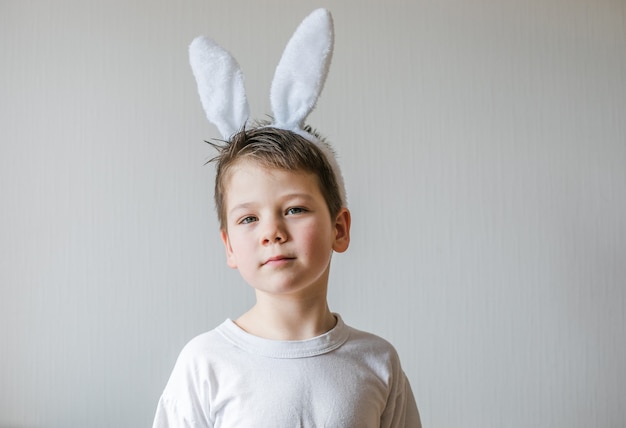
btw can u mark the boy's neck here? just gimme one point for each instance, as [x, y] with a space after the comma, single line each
[287, 319]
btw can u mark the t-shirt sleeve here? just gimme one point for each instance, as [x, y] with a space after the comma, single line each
[168, 416]
[401, 410]
[174, 414]
[183, 402]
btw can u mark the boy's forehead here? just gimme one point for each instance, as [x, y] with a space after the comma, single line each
[247, 176]
[247, 167]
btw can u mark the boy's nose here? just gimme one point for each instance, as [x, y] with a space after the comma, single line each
[274, 232]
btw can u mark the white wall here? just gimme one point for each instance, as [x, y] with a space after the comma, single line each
[483, 145]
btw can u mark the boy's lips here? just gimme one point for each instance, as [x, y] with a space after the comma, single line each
[275, 260]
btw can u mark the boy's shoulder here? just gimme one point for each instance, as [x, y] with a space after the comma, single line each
[207, 343]
[371, 345]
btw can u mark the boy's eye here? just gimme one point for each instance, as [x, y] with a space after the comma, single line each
[247, 220]
[295, 210]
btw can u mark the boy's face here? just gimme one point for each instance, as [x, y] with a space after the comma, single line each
[280, 235]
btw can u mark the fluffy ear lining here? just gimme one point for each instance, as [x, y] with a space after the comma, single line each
[220, 85]
[302, 70]
[297, 84]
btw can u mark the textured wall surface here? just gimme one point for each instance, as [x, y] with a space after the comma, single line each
[483, 145]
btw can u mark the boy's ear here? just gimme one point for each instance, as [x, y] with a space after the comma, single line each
[342, 231]
[230, 255]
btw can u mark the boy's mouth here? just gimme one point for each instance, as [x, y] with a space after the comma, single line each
[277, 260]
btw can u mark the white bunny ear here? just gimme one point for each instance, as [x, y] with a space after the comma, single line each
[302, 70]
[220, 85]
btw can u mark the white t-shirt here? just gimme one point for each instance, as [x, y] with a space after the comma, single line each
[344, 378]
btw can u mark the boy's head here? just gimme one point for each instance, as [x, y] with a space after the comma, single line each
[275, 148]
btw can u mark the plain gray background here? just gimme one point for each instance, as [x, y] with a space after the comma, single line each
[483, 147]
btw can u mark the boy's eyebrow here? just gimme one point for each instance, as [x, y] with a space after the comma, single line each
[287, 197]
[243, 205]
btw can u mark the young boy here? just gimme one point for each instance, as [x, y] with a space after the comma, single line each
[289, 361]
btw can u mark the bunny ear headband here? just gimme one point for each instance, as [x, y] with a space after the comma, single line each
[297, 83]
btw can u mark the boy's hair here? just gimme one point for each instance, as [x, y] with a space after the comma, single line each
[278, 149]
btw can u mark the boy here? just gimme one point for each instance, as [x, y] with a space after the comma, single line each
[289, 361]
